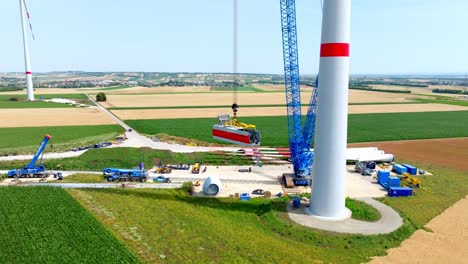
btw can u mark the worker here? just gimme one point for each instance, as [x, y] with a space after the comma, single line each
[250, 169]
[204, 170]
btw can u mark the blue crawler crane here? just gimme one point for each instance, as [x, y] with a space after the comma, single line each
[31, 170]
[300, 137]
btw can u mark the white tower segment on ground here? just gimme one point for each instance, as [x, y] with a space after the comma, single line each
[29, 83]
[329, 168]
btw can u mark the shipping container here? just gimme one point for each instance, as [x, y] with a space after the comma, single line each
[399, 191]
[393, 182]
[411, 169]
[399, 169]
[382, 176]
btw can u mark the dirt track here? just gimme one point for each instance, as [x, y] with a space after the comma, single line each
[448, 243]
[37, 117]
[274, 111]
[452, 153]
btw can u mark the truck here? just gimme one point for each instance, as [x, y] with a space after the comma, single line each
[365, 167]
[113, 174]
[32, 170]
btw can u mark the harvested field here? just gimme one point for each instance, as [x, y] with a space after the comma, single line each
[218, 98]
[161, 89]
[277, 111]
[359, 96]
[452, 153]
[447, 243]
[53, 117]
[225, 98]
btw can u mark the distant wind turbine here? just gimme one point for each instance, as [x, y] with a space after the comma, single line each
[29, 83]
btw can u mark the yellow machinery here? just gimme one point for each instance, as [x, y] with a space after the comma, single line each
[196, 167]
[410, 180]
[163, 170]
[235, 123]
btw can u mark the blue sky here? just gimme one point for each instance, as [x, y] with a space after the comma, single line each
[388, 37]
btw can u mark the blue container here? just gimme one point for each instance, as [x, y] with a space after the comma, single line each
[393, 182]
[244, 197]
[297, 202]
[400, 191]
[382, 176]
[411, 169]
[399, 169]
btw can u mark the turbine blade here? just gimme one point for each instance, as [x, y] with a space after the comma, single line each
[29, 19]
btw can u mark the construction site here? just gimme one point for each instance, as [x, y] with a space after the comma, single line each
[240, 171]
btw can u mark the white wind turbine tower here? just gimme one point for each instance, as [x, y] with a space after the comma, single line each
[29, 83]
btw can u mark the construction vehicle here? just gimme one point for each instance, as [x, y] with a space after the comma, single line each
[410, 180]
[181, 166]
[300, 137]
[196, 167]
[127, 175]
[32, 170]
[163, 170]
[365, 168]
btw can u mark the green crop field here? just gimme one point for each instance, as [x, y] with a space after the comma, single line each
[97, 159]
[180, 229]
[448, 100]
[21, 140]
[362, 127]
[46, 225]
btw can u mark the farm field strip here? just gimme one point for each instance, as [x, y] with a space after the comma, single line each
[450, 152]
[46, 225]
[53, 117]
[244, 98]
[362, 127]
[243, 106]
[275, 111]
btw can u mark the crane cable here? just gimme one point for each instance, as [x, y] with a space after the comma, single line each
[235, 83]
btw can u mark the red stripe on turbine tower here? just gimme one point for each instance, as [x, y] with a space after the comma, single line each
[28, 72]
[334, 50]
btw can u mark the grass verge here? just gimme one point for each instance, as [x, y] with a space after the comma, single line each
[226, 230]
[362, 127]
[46, 225]
[362, 211]
[84, 178]
[21, 140]
[97, 159]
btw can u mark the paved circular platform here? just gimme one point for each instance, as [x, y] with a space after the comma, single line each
[390, 220]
